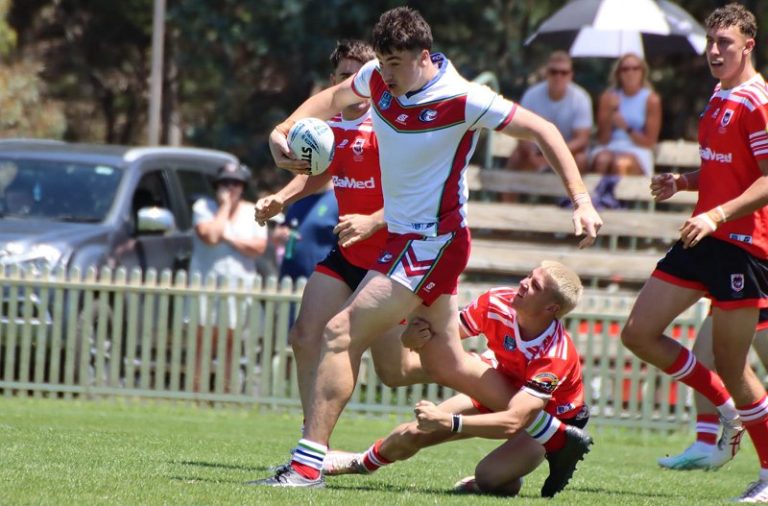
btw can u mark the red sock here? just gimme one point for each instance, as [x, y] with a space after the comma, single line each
[707, 427]
[372, 460]
[308, 472]
[755, 419]
[557, 441]
[689, 371]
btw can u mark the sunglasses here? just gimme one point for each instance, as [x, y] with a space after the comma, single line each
[633, 68]
[559, 72]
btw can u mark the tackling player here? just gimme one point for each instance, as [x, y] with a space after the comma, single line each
[530, 346]
[723, 247]
[427, 119]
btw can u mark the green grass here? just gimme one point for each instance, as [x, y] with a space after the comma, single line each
[115, 452]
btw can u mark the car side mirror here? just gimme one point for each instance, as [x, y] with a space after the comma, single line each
[155, 220]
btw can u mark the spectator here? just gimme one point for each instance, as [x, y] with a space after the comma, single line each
[564, 103]
[226, 243]
[628, 121]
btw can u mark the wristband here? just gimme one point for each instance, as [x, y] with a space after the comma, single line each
[719, 209]
[709, 221]
[581, 198]
[455, 423]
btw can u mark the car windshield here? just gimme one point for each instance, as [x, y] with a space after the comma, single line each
[62, 191]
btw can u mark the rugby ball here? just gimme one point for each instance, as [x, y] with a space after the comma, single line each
[312, 140]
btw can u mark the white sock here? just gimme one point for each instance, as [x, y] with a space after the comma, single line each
[728, 410]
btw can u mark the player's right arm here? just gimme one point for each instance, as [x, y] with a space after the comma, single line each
[522, 411]
[298, 188]
[323, 105]
[663, 186]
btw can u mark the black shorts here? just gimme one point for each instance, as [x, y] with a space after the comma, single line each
[336, 266]
[731, 276]
[580, 419]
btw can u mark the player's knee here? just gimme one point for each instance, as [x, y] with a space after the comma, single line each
[631, 337]
[302, 337]
[391, 376]
[490, 482]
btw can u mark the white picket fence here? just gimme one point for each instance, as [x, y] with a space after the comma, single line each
[99, 334]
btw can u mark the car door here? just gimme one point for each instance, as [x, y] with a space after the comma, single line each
[159, 250]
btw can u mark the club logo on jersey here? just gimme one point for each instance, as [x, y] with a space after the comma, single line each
[737, 282]
[385, 258]
[544, 382]
[385, 101]
[357, 146]
[402, 118]
[428, 115]
[727, 115]
[509, 343]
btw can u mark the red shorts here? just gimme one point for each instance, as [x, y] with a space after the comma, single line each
[428, 266]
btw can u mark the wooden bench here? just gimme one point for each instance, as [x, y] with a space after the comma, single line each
[504, 220]
[519, 258]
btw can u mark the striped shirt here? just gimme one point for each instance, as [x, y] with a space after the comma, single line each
[547, 367]
[733, 137]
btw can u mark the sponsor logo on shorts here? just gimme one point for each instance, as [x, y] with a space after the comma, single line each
[385, 101]
[564, 408]
[385, 257]
[509, 343]
[402, 118]
[544, 382]
[747, 239]
[737, 282]
[429, 286]
[352, 183]
[428, 115]
[422, 226]
[714, 156]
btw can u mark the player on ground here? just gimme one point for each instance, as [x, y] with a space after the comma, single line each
[704, 452]
[357, 184]
[723, 247]
[530, 346]
[427, 119]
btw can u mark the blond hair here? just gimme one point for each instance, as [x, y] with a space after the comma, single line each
[614, 78]
[567, 288]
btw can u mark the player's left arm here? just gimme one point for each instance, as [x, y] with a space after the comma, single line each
[526, 125]
[523, 409]
[353, 228]
[700, 226]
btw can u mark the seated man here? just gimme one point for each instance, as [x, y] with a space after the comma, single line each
[564, 103]
[544, 417]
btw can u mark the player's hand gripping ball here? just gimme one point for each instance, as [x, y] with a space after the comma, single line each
[312, 140]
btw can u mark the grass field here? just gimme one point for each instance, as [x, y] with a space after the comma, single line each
[117, 452]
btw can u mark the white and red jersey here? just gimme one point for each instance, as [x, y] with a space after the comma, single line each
[357, 181]
[733, 136]
[547, 367]
[426, 139]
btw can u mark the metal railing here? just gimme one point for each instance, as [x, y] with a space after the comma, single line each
[98, 334]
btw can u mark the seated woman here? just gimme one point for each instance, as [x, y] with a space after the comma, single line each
[628, 121]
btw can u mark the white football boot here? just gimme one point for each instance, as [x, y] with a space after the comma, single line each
[697, 456]
[757, 492]
[337, 462]
[729, 443]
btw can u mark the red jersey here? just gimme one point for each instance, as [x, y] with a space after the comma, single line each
[547, 367]
[357, 181]
[733, 136]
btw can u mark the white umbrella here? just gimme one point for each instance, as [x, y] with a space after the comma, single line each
[611, 28]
